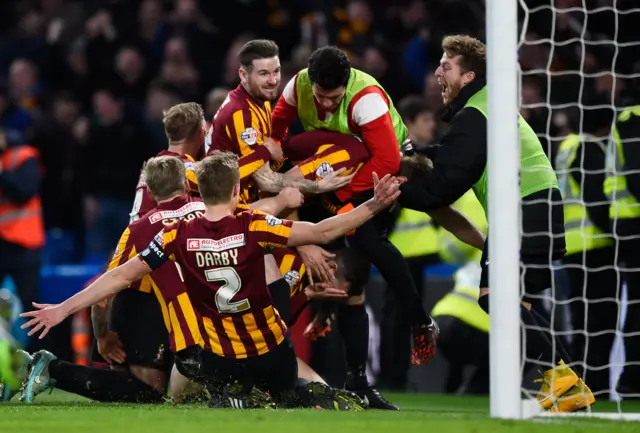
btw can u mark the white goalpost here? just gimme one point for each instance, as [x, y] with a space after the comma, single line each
[507, 37]
[503, 187]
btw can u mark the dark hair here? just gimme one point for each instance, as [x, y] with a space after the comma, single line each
[329, 68]
[255, 50]
[412, 106]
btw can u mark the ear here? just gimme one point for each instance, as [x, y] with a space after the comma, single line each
[242, 73]
[236, 190]
[468, 77]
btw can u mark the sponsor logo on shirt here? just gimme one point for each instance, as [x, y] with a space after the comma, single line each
[292, 278]
[273, 221]
[216, 245]
[249, 136]
[177, 213]
[324, 169]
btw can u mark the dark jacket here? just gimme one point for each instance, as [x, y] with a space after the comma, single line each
[459, 164]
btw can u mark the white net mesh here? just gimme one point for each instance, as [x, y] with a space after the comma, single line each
[580, 62]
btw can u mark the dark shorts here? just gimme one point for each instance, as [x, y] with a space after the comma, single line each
[536, 270]
[275, 371]
[137, 319]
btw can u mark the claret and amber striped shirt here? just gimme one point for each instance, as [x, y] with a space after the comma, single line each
[223, 267]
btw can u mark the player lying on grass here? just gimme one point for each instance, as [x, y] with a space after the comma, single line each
[245, 341]
[144, 334]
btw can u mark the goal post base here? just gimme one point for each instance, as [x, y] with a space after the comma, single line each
[531, 409]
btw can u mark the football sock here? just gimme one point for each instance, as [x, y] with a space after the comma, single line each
[538, 347]
[353, 324]
[561, 350]
[281, 298]
[102, 384]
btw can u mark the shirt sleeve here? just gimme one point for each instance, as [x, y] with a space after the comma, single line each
[370, 113]
[285, 112]
[461, 160]
[269, 231]
[161, 248]
[122, 251]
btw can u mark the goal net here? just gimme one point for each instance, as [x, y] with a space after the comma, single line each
[579, 70]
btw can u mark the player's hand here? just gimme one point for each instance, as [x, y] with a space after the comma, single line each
[316, 263]
[274, 149]
[45, 317]
[325, 292]
[334, 181]
[111, 349]
[291, 198]
[386, 190]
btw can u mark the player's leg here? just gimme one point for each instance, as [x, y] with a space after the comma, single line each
[353, 324]
[370, 239]
[184, 390]
[136, 318]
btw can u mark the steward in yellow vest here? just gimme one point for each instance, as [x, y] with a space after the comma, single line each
[622, 187]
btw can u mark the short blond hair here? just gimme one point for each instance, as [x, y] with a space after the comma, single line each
[164, 176]
[217, 174]
[183, 121]
[472, 52]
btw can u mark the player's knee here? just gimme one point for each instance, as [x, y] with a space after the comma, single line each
[483, 301]
[151, 376]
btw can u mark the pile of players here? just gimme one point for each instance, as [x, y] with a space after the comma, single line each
[222, 251]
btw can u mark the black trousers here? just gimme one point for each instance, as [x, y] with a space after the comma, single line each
[395, 343]
[275, 371]
[594, 291]
[463, 345]
[371, 240]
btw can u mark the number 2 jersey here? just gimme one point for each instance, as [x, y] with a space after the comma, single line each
[222, 264]
[180, 318]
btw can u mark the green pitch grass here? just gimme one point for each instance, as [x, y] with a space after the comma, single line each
[65, 413]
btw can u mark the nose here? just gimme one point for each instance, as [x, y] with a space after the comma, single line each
[272, 80]
[327, 103]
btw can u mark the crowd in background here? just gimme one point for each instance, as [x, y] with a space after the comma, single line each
[86, 81]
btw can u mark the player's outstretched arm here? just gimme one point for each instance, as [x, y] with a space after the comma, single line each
[47, 316]
[458, 224]
[270, 181]
[386, 191]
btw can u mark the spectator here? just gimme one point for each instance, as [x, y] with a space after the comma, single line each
[59, 137]
[21, 226]
[178, 68]
[117, 147]
[420, 120]
[26, 89]
[12, 116]
[215, 98]
[130, 68]
[160, 97]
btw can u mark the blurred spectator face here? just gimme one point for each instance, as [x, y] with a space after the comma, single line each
[51, 7]
[65, 111]
[32, 24]
[106, 107]
[129, 64]
[432, 90]
[159, 100]
[414, 15]
[176, 51]
[359, 14]
[150, 11]
[451, 78]
[186, 10]
[262, 81]
[22, 77]
[215, 98]
[422, 128]
[374, 63]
